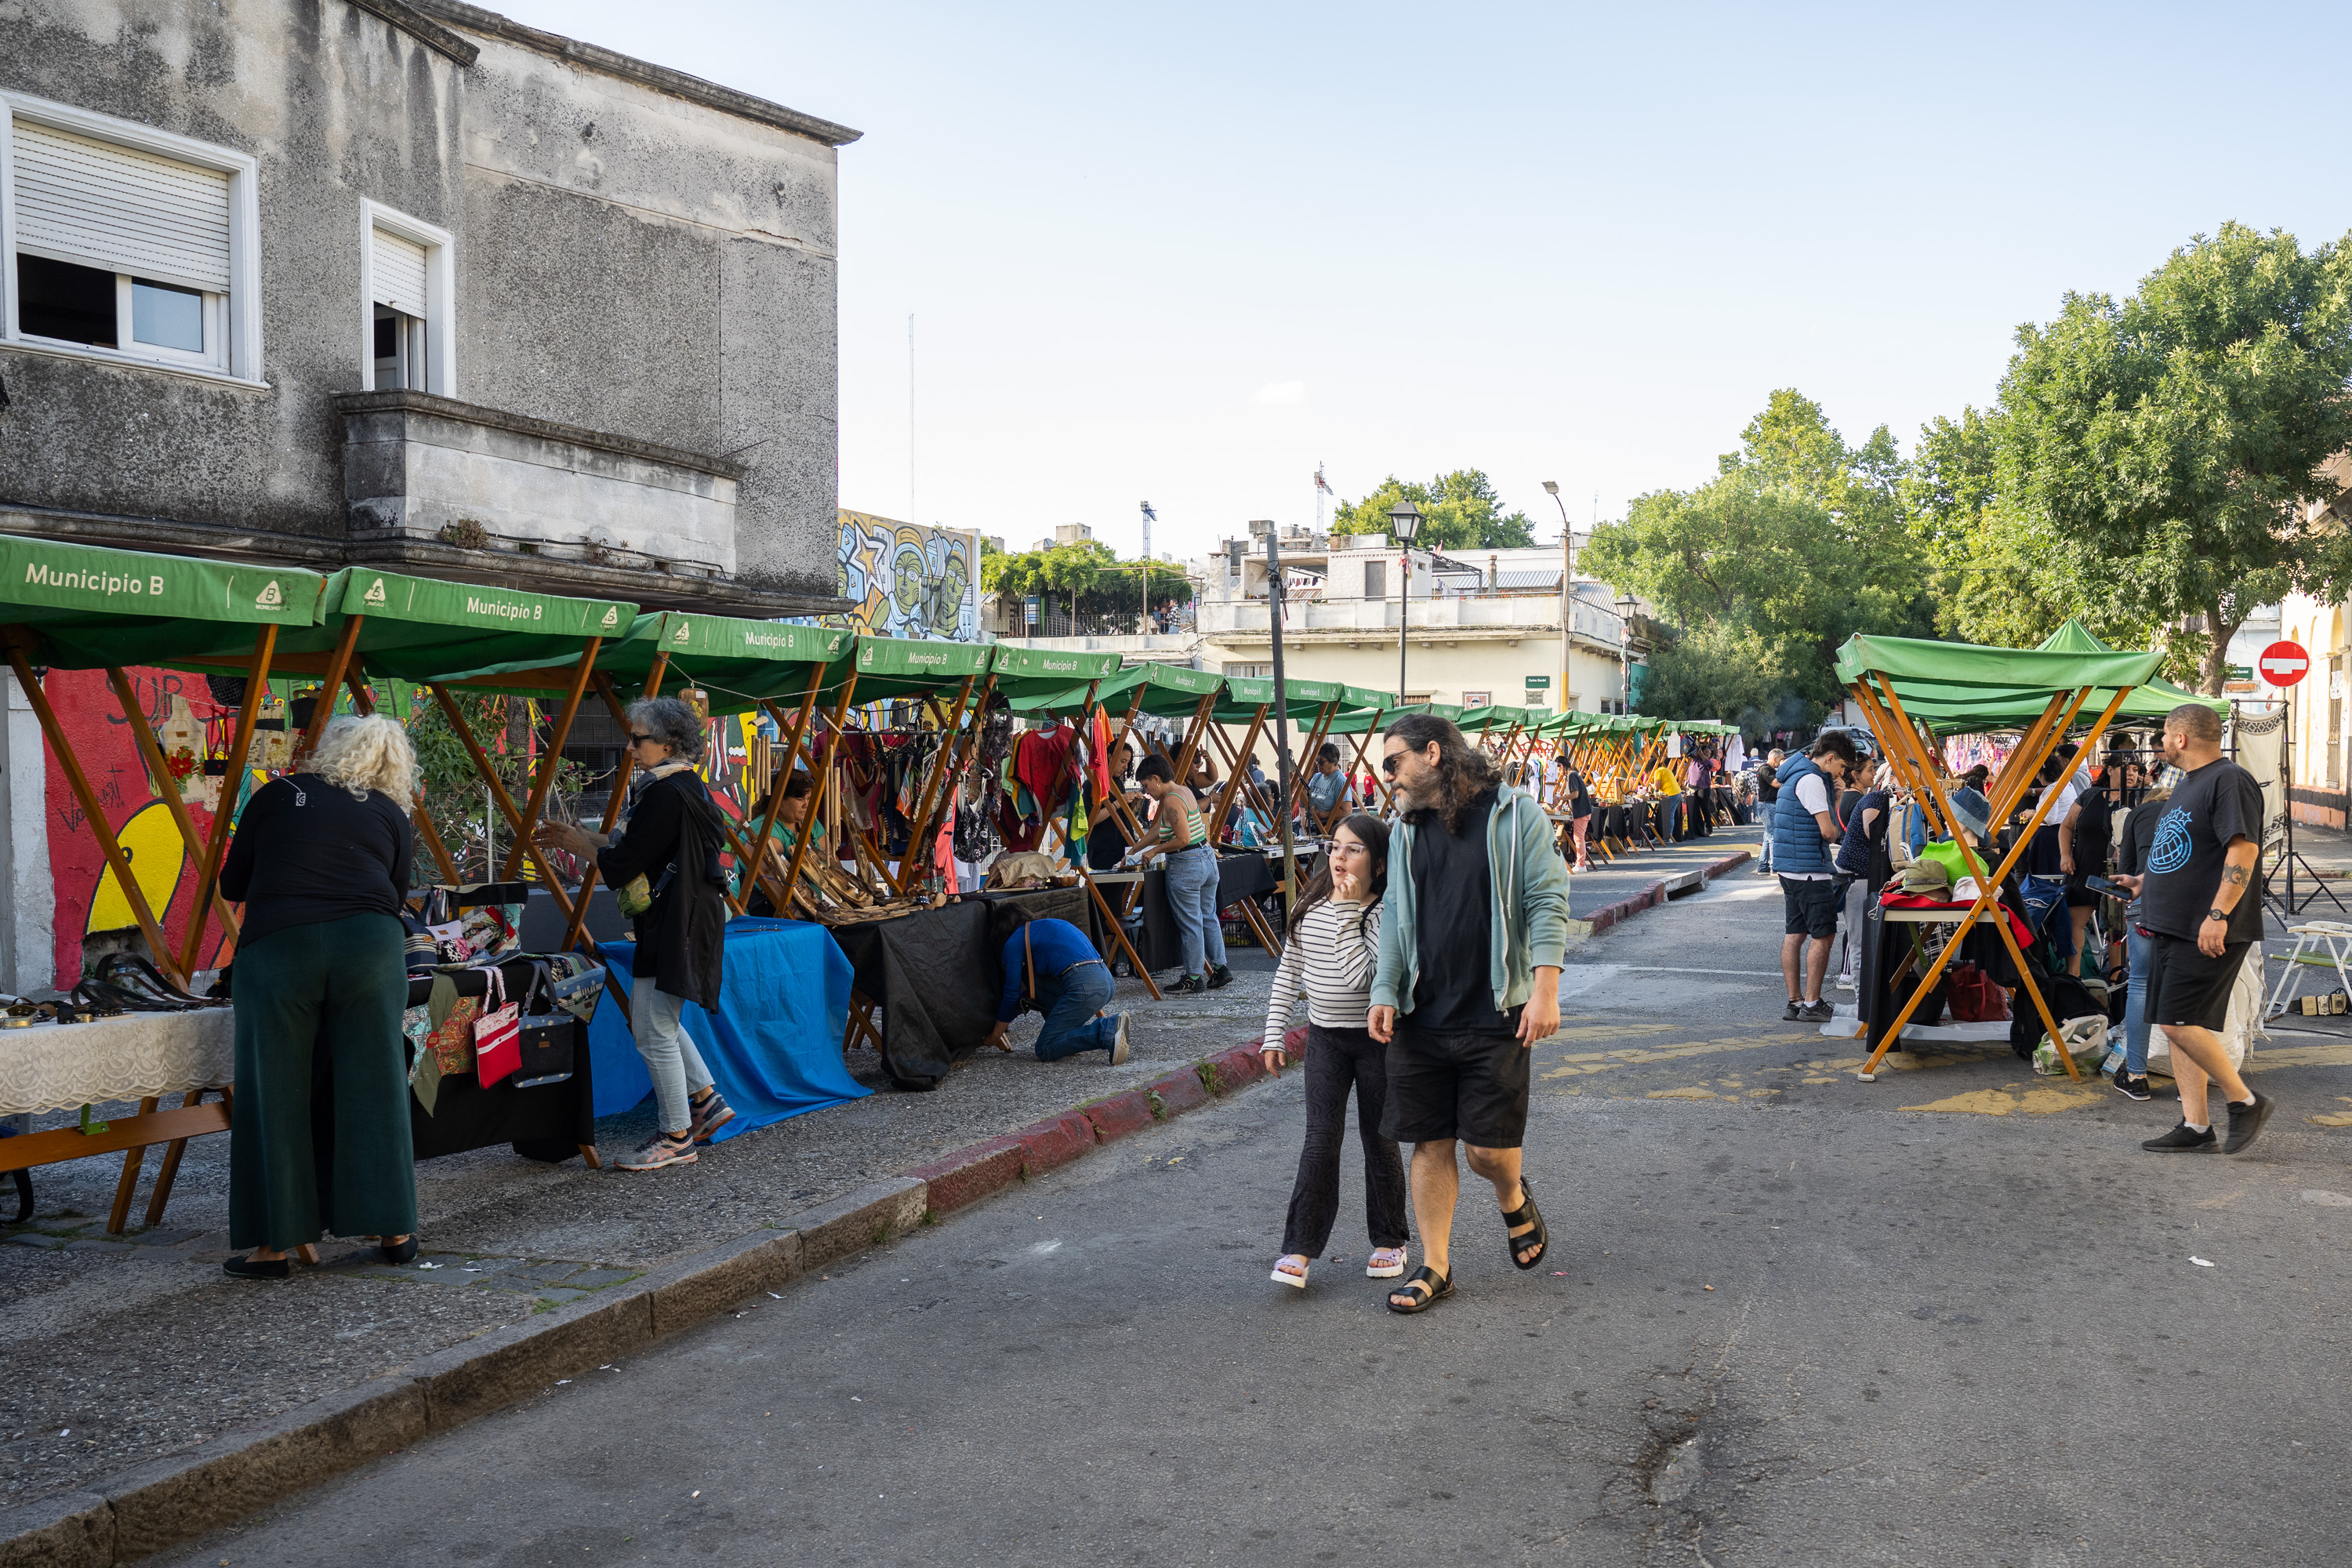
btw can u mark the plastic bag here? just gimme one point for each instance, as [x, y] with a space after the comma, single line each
[2238, 1031]
[2086, 1041]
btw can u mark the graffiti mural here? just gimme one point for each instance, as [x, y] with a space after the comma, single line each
[907, 582]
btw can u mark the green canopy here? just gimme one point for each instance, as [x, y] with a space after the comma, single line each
[1957, 687]
[1032, 675]
[895, 668]
[1303, 699]
[421, 629]
[737, 664]
[89, 608]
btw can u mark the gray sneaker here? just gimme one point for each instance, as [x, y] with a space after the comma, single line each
[1118, 1047]
[1794, 1012]
[660, 1150]
[1816, 1013]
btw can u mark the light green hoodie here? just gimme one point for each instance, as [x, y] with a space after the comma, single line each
[1528, 923]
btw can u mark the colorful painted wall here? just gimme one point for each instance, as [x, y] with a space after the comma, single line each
[909, 582]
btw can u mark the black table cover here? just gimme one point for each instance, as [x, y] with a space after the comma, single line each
[934, 977]
[549, 1123]
[1239, 877]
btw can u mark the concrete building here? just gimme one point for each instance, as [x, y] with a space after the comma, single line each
[2319, 743]
[1482, 627]
[403, 282]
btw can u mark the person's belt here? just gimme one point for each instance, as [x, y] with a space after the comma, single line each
[1186, 851]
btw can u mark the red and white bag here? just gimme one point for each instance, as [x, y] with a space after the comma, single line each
[497, 1037]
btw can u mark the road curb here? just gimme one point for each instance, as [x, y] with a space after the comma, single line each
[149, 1508]
[1658, 892]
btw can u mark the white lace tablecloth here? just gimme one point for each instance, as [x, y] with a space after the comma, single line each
[62, 1067]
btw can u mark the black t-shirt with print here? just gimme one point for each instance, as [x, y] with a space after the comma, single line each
[2219, 802]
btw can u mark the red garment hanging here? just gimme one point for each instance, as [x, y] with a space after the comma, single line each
[1041, 759]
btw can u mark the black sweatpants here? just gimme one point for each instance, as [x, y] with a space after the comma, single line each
[1337, 1059]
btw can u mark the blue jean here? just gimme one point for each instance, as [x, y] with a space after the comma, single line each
[671, 1060]
[1192, 896]
[1072, 998]
[2136, 1001]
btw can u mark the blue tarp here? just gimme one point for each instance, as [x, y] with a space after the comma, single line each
[774, 1049]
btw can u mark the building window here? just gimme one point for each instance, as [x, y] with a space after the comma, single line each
[1476, 699]
[407, 268]
[1376, 579]
[121, 241]
[1250, 671]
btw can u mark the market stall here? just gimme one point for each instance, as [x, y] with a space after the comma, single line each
[1910, 688]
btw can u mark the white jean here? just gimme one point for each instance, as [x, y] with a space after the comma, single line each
[671, 1060]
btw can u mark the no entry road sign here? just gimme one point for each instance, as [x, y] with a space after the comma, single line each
[2283, 663]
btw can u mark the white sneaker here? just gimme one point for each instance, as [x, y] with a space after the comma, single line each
[1118, 1047]
[1845, 981]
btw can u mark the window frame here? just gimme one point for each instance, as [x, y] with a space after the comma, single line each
[440, 294]
[238, 312]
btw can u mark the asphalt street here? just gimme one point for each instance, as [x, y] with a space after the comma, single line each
[1954, 1316]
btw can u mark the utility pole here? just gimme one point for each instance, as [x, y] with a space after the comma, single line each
[1149, 516]
[1567, 588]
[1274, 606]
[910, 420]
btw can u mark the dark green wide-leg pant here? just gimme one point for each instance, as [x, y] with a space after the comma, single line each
[318, 1138]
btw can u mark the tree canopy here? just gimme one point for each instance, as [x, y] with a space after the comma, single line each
[1459, 510]
[1089, 571]
[1800, 541]
[2155, 463]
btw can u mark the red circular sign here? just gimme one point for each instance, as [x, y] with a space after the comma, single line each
[2283, 663]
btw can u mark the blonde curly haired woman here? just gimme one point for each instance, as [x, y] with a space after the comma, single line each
[320, 862]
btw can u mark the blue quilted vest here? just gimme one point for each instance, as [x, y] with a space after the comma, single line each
[1798, 847]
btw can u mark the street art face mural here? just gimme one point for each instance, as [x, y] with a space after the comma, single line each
[907, 581]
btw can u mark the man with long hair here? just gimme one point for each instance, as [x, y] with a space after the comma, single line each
[1471, 944]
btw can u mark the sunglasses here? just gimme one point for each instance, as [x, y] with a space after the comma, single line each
[641, 740]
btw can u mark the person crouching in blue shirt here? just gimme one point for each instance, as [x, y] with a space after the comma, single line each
[1052, 966]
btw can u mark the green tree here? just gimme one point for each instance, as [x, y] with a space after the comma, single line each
[1089, 576]
[454, 792]
[1799, 543]
[2161, 458]
[1459, 510]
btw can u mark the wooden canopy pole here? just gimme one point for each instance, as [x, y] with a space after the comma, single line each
[921, 837]
[1881, 720]
[151, 754]
[1989, 888]
[256, 687]
[823, 778]
[549, 764]
[575, 926]
[1238, 776]
[330, 687]
[365, 703]
[788, 732]
[85, 798]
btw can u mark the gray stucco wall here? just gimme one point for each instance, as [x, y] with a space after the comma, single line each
[626, 260]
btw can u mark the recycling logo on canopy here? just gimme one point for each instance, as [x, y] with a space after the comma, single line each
[611, 614]
[375, 594]
[269, 596]
[683, 628]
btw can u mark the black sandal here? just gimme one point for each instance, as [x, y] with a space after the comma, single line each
[1527, 1213]
[1434, 1288]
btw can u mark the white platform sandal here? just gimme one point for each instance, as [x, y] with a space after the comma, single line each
[1385, 1263]
[1282, 1272]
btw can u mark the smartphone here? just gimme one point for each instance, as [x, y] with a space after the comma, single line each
[2112, 889]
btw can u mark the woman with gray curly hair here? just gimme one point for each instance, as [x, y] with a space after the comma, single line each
[661, 860]
[320, 862]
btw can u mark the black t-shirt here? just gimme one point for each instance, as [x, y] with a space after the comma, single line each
[1580, 794]
[307, 852]
[1454, 926]
[2219, 802]
[2094, 825]
[1767, 786]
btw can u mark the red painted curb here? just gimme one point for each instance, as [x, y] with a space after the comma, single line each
[1294, 1043]
[1654, 894]
[1235, 1068]
[1177, 1092]
[969, 1175]
[1120, 1114]
[1057, 1141]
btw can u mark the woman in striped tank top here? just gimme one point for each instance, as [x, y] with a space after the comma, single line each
[1183, 839]
[1333, 950]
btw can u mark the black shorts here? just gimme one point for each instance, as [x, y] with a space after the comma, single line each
[2184, 986]
[1811, 906]
[1471, 1086]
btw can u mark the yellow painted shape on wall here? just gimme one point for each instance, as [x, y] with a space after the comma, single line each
[157, 857]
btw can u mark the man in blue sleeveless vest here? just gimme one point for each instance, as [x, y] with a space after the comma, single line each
[1805, 826]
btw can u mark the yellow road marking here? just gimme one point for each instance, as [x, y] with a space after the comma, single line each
[2012, 1098]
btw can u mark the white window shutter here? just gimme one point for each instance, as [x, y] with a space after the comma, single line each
[397, 272]
[103, 206]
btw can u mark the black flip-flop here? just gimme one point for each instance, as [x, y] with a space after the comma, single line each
[1434, 1288]
[1527, 1213]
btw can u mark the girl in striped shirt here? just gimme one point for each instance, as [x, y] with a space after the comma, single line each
[1334, 948]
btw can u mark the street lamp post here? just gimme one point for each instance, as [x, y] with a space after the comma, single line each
[1567, 587]
[1405, 521]
[1626, 605]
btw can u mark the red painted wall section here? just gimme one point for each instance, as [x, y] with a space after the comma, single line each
[87, 897]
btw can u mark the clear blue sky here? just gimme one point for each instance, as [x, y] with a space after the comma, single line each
[1182, 254]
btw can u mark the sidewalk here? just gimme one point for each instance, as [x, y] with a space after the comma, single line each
[119, 1350]
[131, 1351]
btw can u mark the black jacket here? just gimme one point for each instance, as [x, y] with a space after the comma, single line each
[674, 832]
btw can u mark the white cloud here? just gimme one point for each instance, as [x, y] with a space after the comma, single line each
[1280, 395]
